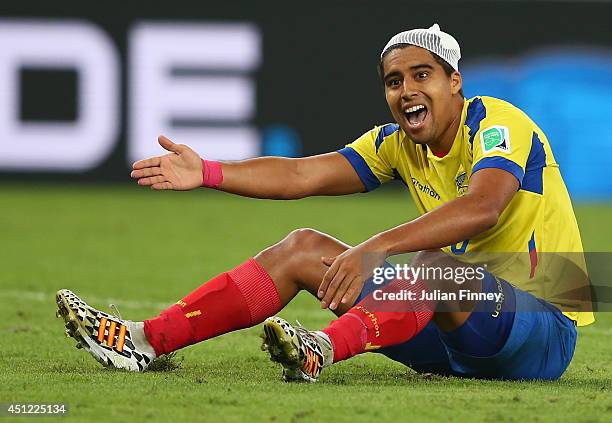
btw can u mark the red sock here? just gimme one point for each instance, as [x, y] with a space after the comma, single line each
[240, 298]
[373, 324]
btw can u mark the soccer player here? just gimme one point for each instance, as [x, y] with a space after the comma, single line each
[484, 178]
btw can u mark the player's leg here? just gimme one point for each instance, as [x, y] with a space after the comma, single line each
[523, 338]
[294, 263]
[382, 317]
[509, 335]
[240, 298]
[247, 294]
[483, 334]
[515, 337]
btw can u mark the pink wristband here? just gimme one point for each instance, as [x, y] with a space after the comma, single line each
[212, 174]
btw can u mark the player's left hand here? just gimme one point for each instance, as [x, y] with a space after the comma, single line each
[347, 273]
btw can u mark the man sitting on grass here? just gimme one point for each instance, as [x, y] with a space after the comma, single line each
[485, 180]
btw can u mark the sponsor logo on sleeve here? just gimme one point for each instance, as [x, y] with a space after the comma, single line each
[495, 138]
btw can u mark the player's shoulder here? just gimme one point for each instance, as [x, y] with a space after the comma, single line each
[498, 126]
[385, 130]
[491, 110]
[384, 135]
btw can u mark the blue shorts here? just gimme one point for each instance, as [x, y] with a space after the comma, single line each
[529, 339]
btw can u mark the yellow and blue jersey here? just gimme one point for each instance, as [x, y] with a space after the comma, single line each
[492, 134]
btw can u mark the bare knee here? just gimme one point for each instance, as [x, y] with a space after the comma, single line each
[296, 259]
[296, 248]
[304, 240]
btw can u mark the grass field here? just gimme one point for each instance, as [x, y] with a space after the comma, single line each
[143, 250]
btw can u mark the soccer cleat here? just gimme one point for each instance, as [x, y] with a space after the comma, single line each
[107, 338]
[302, 353]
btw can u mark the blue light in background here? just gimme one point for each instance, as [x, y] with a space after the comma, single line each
[568, 93]
[281, 140]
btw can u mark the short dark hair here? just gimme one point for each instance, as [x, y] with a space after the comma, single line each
[448, 69]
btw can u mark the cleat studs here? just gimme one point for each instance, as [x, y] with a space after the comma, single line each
[68, 333]
[78, 346]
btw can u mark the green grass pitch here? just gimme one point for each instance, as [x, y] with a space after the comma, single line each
[143, 250]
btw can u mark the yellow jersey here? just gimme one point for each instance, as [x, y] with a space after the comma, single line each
[538, 228]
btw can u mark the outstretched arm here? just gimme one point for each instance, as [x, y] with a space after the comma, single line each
[265, 177]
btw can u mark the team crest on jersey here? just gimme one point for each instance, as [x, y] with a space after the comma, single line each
[460, 182]
[495, 138]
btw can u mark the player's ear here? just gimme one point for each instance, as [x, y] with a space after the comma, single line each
[456, 82]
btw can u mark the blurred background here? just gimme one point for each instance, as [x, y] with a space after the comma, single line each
[86, 88]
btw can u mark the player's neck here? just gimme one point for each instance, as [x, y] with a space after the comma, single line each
[445, 141]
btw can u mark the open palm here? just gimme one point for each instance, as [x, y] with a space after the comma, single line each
[180, 170]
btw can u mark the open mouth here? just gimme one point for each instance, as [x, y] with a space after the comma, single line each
[416, 116]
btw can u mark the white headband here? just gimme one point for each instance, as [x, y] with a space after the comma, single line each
[432, 39]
